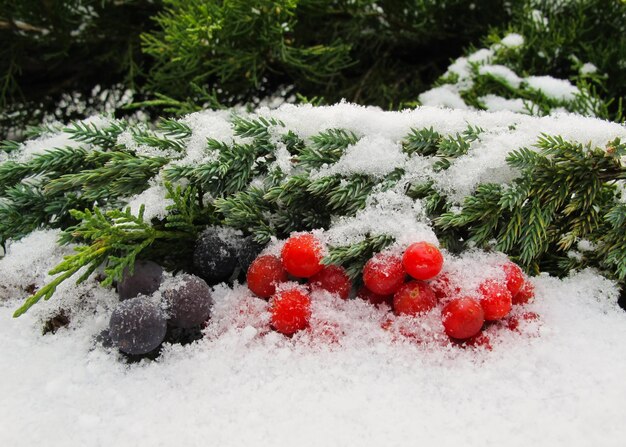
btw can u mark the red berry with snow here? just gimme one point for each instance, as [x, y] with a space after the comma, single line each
[290, 311]
[495, 299]
[366, 294]
[264, 274]
[302, 255]
[414, 297]
[334, 279]
[526, 293]
[514, 277]
[462, 318]
[422, 260]
[443, 287]
[384, 274]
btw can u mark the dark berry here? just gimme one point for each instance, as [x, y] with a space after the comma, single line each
[189, 301]
[248, 252]
[145, 280]
[215, 255]
[137, 326]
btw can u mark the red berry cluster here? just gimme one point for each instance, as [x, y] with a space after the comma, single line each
[411, 284]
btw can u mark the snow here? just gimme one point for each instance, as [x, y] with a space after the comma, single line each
[446, 95]
[501, 72]
[243, 388]
[495, 103]
[560, 89]
[513, 40]
[359, 375]
[588, 68]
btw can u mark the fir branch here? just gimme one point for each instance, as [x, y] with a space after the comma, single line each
[105, 137]
[326, 148]
[353, 257]
[423, 142]
[115, 237]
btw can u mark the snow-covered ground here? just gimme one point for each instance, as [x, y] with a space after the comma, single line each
[561, 382]
[355, 381]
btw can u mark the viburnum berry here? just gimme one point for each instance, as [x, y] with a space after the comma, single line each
[290, 311]
[413, 298]
[495, 299]
[514, 277]
[422, 260]
[462, 318]
[513, 322]
[302, 255]
[443, 287]
[383, 274]
[366, 294]
[334, 279]
[526, 293]
[264, 274]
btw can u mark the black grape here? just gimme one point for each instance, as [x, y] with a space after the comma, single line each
[189, 301]
[137, 325]
[145, 280]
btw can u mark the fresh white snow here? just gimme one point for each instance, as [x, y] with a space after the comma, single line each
[359, 376]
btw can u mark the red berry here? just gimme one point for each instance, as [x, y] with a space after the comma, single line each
[413, 298]
[302, 255]
[366, 294]
[514, 277]
[495, 299]
[264, 274]
[443, 288]
[526, 293]
[384, 274]
[290, 311]
[334, 279]
[478, 341]
[462, 318]
[422, 260]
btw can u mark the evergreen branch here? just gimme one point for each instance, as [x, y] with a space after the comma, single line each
[105, 138]
[115, 237]
[353, 257]
[423, 142]
[254, 128]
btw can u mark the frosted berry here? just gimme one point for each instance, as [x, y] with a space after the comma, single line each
[302, 255]
[414, 297]
[443, 287]
[145, 280]
[462, 318]
[248, 251]
[137, 326]
[514, 277]
[290, 311]
[215, 256]
[366, 294]
[189, 301]
[334, 279]
[526, 293]
[383, 274]
[264, 274]
[422, 260]
[495, 299]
